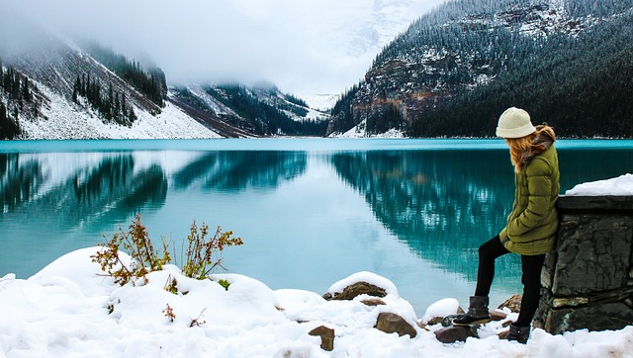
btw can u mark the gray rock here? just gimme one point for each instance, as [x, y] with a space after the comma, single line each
[587, 279]
[593, 254]
[454, 334]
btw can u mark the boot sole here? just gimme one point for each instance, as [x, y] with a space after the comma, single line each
[473, 323]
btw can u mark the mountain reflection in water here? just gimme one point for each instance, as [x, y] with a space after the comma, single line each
[309, 217]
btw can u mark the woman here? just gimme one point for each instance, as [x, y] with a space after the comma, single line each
[532, 224]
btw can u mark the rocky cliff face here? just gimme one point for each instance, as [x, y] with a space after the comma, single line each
[463, 45]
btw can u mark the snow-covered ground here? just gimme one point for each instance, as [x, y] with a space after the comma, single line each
[359, 131]
[68, 310]
[322, 102]
[66, 121]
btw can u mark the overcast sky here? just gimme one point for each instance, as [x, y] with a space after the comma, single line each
[303, 46]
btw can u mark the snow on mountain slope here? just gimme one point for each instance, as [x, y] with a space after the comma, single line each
[64, 120]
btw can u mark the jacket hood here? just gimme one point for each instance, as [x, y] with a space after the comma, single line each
[544, 137]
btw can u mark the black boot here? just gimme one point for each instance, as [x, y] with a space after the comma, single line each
[477, 312]
[519, 334]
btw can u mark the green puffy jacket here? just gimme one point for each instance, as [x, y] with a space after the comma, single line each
[533, 222]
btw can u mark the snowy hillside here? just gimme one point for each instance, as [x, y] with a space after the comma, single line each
[53, 89]
[64, 120]
[262, 110]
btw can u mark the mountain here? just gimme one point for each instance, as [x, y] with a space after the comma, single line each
[261, 110]
[567, 62]
[51, 88]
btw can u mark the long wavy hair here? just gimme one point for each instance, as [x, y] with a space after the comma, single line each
[522, 150]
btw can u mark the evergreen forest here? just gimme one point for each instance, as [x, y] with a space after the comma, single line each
[568, 62]
[152, 83]
[16, 88]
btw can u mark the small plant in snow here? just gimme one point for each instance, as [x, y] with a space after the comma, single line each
[169, 313]
[138, 245]
[171, 285]
[224, 283]
[203, 255]
[197, 322]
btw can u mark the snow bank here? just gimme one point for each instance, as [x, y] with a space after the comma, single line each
[67, 310]
[622, 185]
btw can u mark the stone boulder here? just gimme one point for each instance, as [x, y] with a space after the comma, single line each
[356, 289]
[392, 323]
[454, 334]
[513, 304]
[327, 337]
[373, 302]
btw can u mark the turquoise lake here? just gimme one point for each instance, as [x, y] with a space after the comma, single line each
[310, 211]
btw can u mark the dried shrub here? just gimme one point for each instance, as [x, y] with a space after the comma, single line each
[139, 246]
[169, 313]
[202, 254]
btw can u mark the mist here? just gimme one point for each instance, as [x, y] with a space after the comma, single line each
[303, 46]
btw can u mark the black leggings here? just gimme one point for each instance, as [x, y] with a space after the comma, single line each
[531, 277]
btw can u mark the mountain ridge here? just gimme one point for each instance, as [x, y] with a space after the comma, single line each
[437, 78]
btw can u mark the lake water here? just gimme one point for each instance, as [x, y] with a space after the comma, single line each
[310, 211]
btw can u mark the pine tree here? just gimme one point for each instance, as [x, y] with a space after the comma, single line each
[3, 122]
[76, 89]
[26, 93]
[132, 116]
[123, 104]
[117, 106]
[109, 106]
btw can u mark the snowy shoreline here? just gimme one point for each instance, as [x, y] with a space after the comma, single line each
[69, 310]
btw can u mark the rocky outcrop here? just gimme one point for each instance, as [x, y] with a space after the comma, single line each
[588, 278]
[386, 321]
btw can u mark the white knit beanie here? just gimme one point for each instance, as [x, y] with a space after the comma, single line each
[514, 123]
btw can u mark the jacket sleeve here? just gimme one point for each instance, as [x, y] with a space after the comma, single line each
[539, 183]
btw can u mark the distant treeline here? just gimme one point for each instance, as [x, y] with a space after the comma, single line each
[152, 83]
[111, 105]
[15, 87]
[576, 77]
[268, 118]
[582, 86]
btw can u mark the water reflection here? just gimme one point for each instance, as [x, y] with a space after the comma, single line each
[44, 188]
[55, 202]
[446, 203]
[239, 170]
[18, 181]
[294, 207]
[443, 204]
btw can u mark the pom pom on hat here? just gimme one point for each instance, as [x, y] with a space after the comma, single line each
[514, 123]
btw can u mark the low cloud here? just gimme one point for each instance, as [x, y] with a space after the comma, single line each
[303, 46]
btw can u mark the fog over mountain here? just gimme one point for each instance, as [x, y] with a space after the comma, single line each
[304, 47]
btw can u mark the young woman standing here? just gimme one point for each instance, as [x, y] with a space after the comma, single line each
[532, 224]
